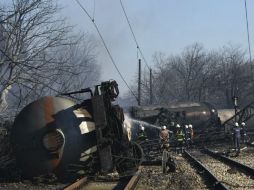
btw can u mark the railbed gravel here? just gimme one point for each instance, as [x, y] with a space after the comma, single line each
[229, 176]
[185, 177]
[48, 182]
[25, 185]
[245, 157]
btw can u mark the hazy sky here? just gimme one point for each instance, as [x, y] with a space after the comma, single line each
[167, 26]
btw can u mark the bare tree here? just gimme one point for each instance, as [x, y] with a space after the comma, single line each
[233, 78]
[200, 75]
[39, 54]
[29, 33]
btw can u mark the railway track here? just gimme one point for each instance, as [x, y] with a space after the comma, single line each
[127, 183]
[251, 144]
[221, 172]
[241, 167]
[210, 177]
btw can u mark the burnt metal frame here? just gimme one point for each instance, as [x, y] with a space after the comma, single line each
[241, 116]
[101, 102]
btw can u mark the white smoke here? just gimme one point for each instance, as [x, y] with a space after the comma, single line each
[132, 126]
[127, 125]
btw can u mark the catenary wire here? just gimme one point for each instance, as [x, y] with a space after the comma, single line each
[133, 35]
[247, 25]
[106, 47]
[93, 9]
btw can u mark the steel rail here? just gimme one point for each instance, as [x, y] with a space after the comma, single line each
[77, 185]
[125, 183]
[211, 178]
[245, 169]
[134, 180]
[251, 144]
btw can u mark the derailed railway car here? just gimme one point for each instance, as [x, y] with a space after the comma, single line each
[57, 135]
[200, 115]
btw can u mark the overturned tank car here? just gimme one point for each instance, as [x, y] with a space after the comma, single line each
[57, 135]
[200, 115]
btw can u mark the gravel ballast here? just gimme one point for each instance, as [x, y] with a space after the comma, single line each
[229, 176]
[185, 177]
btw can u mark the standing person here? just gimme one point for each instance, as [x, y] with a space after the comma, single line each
[191, 133]
[179, 139]
[164, 137]
[187, 136]
[243, 132]
[236, 137]
[141, 133]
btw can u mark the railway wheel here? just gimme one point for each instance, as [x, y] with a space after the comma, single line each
[128, 163]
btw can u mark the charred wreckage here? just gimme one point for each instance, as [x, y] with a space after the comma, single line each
[202, 115]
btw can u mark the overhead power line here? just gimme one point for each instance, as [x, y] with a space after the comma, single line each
[106, 47]
[133, 35]
[247, 25]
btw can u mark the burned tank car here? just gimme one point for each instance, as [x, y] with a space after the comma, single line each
[200, 115]
[53, 134]
[49, 133]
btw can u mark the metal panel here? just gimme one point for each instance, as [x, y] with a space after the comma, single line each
[99, 112]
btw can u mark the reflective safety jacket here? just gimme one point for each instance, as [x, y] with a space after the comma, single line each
[142, 136]
[179, 136]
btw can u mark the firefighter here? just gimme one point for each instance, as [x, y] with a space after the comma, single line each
[180, 139]
[191, 132]
[236, 137]
[141, 134]
[243, 132]
[164, 137]
[187, 134]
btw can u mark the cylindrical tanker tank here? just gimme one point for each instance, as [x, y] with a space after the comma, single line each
[50, 133]
[196, 113]
[199, 114]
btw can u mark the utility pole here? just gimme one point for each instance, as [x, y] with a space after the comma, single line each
[248, 35]
[235, 100]
[151, 88]
[139, 82]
